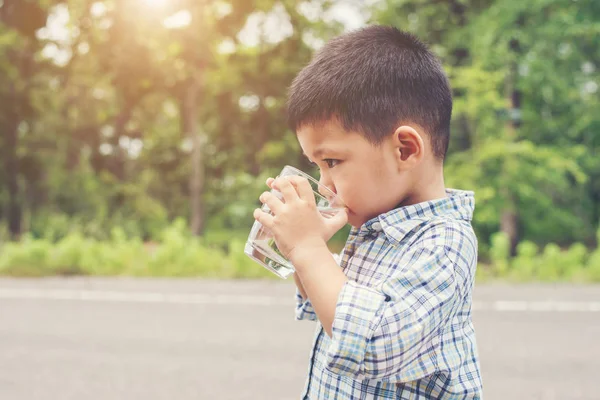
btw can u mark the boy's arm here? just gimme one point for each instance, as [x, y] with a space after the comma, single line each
[301, 290]
[322, 280]
[304, 309]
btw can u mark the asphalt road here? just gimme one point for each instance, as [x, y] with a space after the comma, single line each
[191, 339]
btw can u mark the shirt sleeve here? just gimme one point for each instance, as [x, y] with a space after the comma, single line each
[393, 332]
[304, 309]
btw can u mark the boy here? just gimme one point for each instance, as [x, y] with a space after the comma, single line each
[372, 110]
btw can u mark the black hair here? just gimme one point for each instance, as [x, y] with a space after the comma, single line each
[372, 79]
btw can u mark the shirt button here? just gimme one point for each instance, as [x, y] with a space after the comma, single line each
[376, 226]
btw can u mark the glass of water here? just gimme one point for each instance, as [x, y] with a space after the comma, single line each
[261, 246]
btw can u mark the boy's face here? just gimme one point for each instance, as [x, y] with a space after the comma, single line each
[367, 178]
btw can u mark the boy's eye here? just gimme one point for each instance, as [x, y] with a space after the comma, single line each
[331, 162]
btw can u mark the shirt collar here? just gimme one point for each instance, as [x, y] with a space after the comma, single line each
[395, 224]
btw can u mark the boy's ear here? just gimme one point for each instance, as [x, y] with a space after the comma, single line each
[409, 146]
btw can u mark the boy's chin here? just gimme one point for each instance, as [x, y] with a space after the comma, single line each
[355, 220]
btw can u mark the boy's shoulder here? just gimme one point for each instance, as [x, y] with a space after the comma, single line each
[441, 226]
[455, 237]
[442, 222]
[422, 245]
[436, 244]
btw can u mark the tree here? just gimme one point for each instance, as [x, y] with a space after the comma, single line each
[530, 178]
[19, 21]
[140, 114]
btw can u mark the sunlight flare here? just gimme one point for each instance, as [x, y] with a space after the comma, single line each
[155, 3]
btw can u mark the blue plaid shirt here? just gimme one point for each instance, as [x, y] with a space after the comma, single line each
[402, 326]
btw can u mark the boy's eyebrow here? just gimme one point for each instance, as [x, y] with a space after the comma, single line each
[319, 152]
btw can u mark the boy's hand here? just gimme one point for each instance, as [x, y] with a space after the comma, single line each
[296, 224]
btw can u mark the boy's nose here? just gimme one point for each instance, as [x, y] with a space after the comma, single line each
[326, 182]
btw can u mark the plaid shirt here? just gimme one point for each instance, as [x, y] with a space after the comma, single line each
[402, 326]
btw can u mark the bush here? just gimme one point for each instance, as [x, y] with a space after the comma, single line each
[220, 255]
[177, 254]
[28, 258]
[500, 254]
[551, 264]
[593, 270]
[574, 262]
[526, 264]
[593, 267]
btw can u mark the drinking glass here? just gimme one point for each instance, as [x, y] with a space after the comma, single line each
[261, 246]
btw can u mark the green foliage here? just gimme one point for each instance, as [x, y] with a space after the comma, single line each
[177, 254]
[551, 264]
[526, 264]
[98, 136]
[593, 270]
[542, 160]
[500, 253]
[96, 152]
[30, 257]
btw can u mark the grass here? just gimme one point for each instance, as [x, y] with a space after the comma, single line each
[220, 255]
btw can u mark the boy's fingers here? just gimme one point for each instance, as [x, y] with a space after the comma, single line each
[270, 182]
[271, 201]
[264, 218]
[287, 189]
[303, 188]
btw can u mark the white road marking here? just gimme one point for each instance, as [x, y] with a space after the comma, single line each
[258, 300]
[548, 306]
[136, 297]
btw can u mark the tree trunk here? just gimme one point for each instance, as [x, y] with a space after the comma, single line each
[509, 225]
[18, 109]
[120, 157]
[509, 220]
[191, 130]
[11, 166]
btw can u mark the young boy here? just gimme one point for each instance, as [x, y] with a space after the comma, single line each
[372, 110]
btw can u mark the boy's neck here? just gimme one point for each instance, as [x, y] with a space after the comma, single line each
[427, 187]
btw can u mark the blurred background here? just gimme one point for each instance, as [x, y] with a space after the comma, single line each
[136, 136]
[140, 132]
